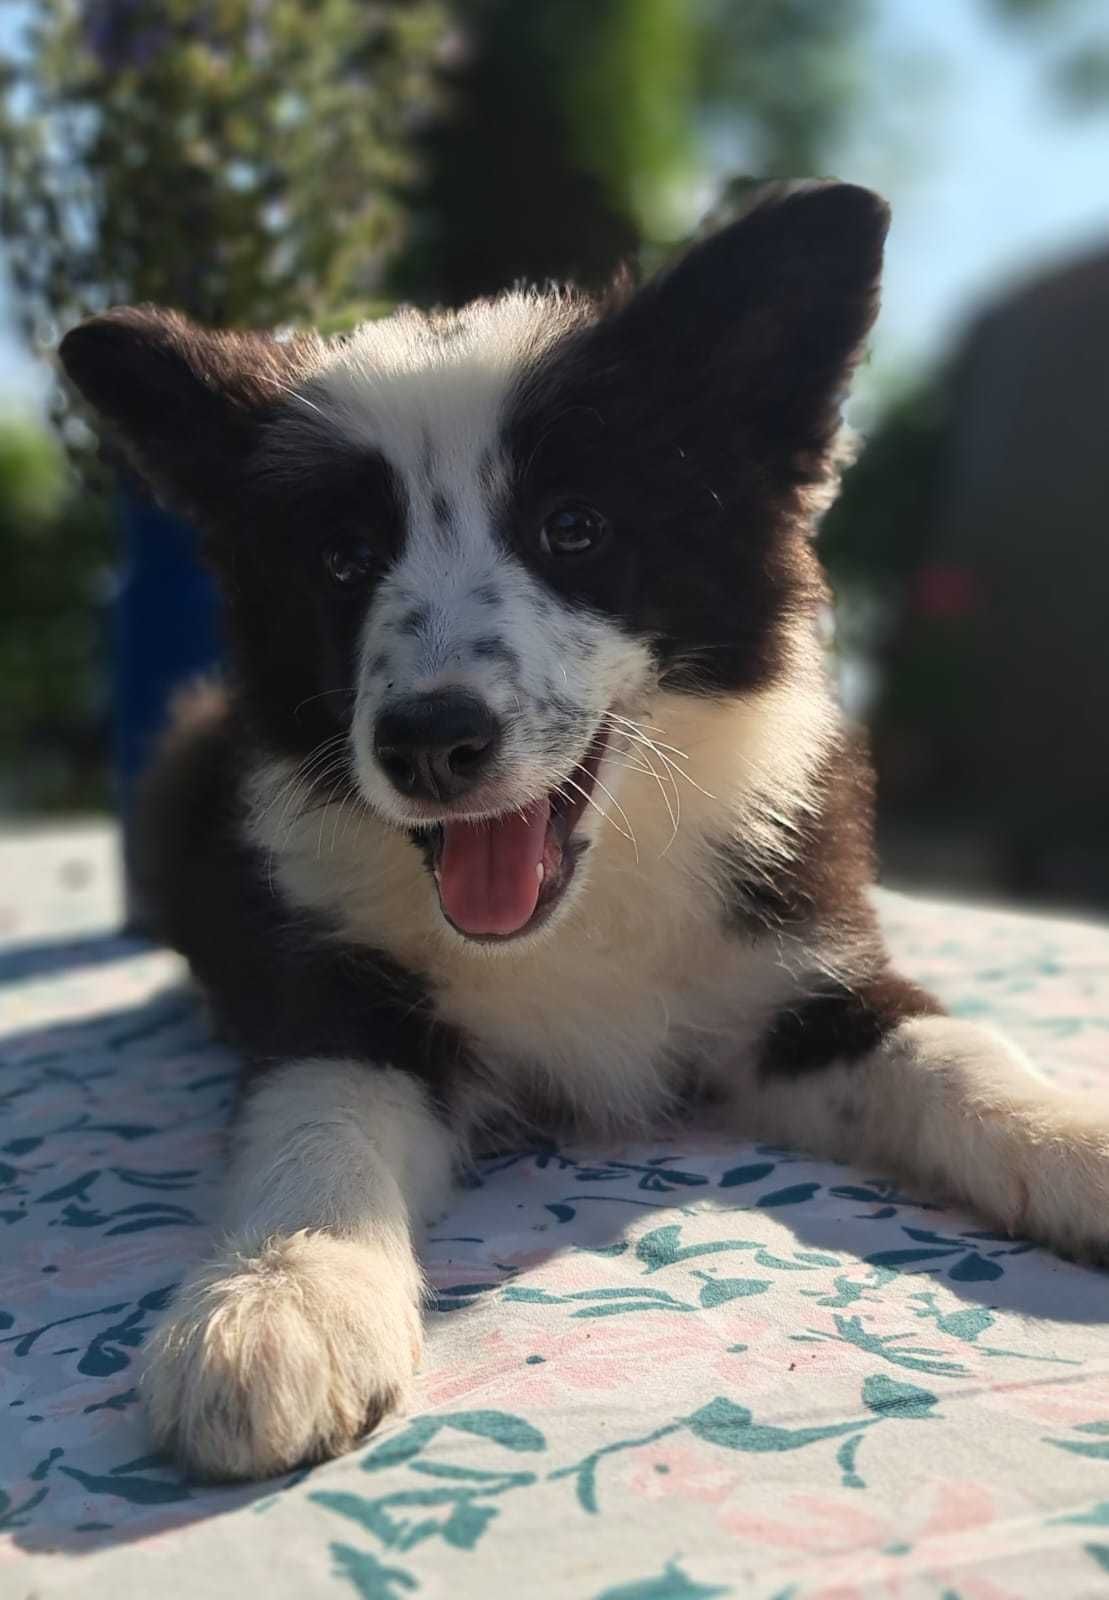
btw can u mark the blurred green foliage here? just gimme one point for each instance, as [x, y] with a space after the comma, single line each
[1074, 36]
[55, 550]
[237, 161]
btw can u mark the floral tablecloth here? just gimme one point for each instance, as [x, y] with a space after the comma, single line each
[658, 1372]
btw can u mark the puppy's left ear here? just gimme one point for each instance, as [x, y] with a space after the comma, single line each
[757, 329]
[183, 402]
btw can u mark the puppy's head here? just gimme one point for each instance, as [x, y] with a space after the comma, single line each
[461, 552]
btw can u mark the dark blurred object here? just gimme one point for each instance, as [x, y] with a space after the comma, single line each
[510, 191]
[569, 136]
[167, 630]
[995, 590]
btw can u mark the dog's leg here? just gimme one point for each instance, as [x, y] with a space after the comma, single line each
[954, 1108]
[303, 1329]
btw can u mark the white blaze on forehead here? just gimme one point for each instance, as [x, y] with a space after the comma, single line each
[428, 392]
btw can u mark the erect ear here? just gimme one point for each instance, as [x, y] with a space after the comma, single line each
[183, 402]
[761, 324]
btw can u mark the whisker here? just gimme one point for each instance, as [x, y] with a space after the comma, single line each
[613, 800]
[674, 811]
[325, 806]
[678, 772]
[639, 727]
[299, 803]
[323, 695]
[589, 800]
[308, 781]
[303, 768]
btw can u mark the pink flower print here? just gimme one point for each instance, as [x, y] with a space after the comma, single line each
[113, 1268]
[813, 1523]
[72, 1404]
[675, 1469]
[866, 1553]
[1050, 1401]
[959, 1506]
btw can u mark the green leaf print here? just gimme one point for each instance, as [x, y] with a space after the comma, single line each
[718, 1291]
[462, 1525]
[662, 1247]
[671, 1584]
[1094, 1449]
[585, 1471]
[733, 1427]
[138, 1490]
[512, 1432]
[369, 1577]
[402, 1446]
[966, 1325]
[917, 1358]
[892, 1399]
[15, 1516]
[1096, 1517]
[845, 1460]
[794, 1196]
[736, 1176]
[455, 1507]
[501, 1426]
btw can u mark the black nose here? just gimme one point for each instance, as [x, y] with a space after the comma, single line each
[437, 746]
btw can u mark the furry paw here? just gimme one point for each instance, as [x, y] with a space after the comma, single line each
[285, 1355]
[1064, 1184]
[1029, 1156]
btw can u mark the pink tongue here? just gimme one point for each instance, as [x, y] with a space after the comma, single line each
[487, 872]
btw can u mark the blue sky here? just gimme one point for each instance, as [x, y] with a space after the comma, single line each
[990, 179]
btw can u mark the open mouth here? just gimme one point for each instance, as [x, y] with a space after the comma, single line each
[502, 876]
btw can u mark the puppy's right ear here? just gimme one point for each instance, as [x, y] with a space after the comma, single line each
[184, 403]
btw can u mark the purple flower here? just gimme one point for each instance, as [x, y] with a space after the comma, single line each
[123, 34]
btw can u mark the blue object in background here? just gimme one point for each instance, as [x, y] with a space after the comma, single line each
[166, 629]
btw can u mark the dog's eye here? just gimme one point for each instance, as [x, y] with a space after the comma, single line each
[573, 530]
[349, 562]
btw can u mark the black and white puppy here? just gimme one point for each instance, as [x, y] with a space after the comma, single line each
[528, 805]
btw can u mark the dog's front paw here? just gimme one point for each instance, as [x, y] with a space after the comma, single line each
[1065, 1183]
[285, 1355]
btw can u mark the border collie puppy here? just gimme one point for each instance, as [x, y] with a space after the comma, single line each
[528, 806]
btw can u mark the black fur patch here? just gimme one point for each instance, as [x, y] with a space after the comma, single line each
[490, 648]
[281, 985]
[840, 1024]
[416, 620]
[697, 418]
[441, 509]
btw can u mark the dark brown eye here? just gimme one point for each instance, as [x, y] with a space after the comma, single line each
[573, 530]
[349, 562]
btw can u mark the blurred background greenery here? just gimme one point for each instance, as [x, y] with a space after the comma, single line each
[275, 162]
